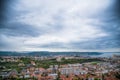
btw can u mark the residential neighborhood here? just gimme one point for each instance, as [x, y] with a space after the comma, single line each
[103, 69]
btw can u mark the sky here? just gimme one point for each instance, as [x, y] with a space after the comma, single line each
[60, 25]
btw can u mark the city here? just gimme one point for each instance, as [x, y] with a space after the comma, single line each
[59, 68]
[59, 39]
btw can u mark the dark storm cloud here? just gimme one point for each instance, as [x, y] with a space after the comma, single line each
[18, 29]
[111, 24]
[8, 24]
[5, 9]
[50, 45]
[101, 43]
[116, 8]
[3, 6]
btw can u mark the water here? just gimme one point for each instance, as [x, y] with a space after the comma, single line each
[107, 54]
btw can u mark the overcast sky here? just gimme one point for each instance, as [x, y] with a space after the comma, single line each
[60, 25]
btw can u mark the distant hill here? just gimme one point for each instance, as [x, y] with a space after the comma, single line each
[46, 53]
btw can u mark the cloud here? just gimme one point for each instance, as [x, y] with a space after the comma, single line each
[61, 24]
[41, 13]
[18, 29]
[11, 43]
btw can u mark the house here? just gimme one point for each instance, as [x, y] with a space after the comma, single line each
[53, 75]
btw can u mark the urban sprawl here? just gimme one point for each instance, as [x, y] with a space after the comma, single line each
[59, 68]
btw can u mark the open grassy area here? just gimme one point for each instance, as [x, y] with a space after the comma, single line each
[44, 63]
[47, 63]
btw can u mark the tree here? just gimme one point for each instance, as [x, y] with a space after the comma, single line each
[58, 77]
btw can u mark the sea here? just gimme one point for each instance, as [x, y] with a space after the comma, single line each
[107, 54]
